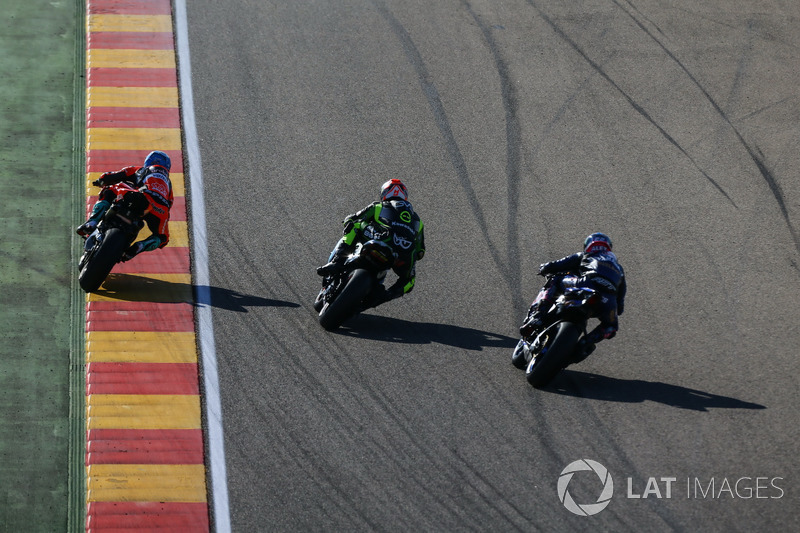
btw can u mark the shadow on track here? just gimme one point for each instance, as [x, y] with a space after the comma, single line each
[597, 387]
[133, 288]
[389, 329]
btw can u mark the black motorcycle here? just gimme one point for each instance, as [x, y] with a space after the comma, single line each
[114, 234]
[349, 291]
[559, 342]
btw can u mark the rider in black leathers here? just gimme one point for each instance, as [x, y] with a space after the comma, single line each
[597, 268]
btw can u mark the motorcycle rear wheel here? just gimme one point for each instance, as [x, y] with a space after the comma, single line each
[99, 266]
[542, 369]
[348, 301]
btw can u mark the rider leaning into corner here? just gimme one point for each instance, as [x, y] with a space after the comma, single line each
[151, 179]
[394, 196]
[597, 268]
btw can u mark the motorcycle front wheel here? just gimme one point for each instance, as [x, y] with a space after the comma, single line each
[99, 266]
[348, 301]
[518, 357]
[319, 301]
[544, 367]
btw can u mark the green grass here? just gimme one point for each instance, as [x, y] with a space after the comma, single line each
[41, 312]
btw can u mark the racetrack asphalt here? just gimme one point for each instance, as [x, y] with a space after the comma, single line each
[519, 128]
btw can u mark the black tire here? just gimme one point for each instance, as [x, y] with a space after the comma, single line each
[518, 357]
[544, 368]
[99, 266]
[320, 301]
[348, 301]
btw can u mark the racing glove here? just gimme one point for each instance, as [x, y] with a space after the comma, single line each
[105, 179]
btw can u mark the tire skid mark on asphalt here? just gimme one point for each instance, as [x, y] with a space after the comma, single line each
[636, 106]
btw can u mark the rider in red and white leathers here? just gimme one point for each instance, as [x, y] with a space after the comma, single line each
[151, 179]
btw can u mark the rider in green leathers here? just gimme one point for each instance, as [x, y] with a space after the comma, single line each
[408, 239]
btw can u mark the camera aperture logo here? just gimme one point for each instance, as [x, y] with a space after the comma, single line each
[586, 509]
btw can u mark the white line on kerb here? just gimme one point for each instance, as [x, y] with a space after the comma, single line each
[205, 327]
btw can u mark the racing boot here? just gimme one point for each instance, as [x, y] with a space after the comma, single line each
[134, 250]
[535, 319]
[337, 259]
[583, 350]
[331, 268]
[99, 209]
[87, 228]
[532, 324]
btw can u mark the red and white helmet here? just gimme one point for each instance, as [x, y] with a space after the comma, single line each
[394, 189]
[596, 242]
